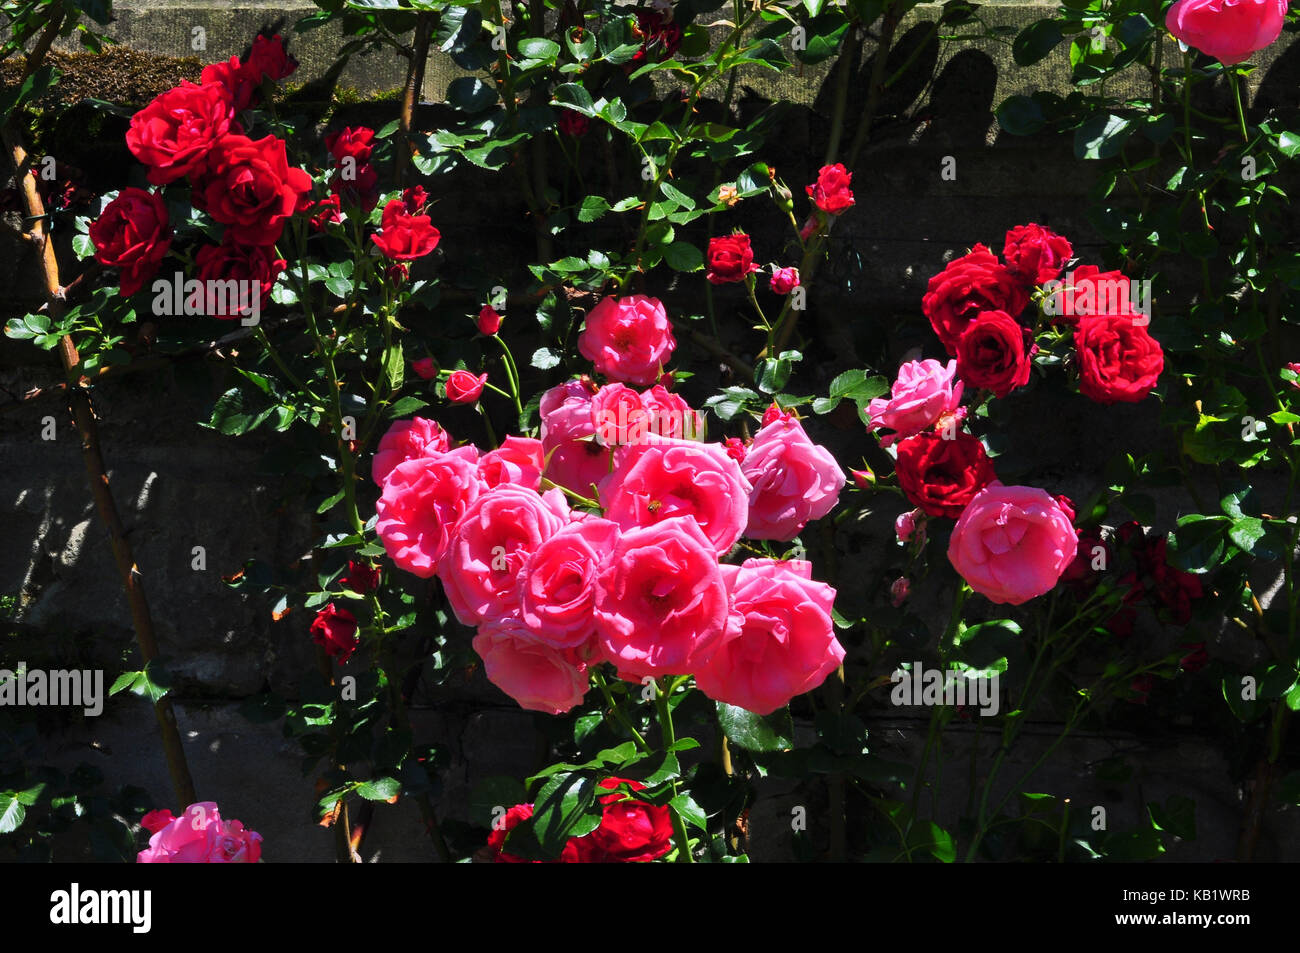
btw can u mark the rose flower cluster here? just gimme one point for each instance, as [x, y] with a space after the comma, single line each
[199, 836]
[1010, 543]
[193, 133]
[630, 831]
[629, 572]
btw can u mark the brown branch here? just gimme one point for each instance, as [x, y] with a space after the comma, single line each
[411, 92]
[84, 417]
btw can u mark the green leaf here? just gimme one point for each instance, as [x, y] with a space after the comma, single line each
[691, 812]
[406, 405]
[539, 48]
[773, 374]
[544, 359]
[1246, 532]
[683, 256]
[575, 97]
[1102, 136]
[1021, 116]
[394, 366]
[11, 812]
[470, 94]
[123, 682]
[82, 246]
[1035, 41]
[983, 644]
[565, 807]
[380, 789]
[774, 732]
[1289, 144]
[592, 208]
[1197, 544]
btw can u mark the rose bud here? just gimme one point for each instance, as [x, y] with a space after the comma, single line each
[425, 369]
[735, 449]
[489, 322]
[362, 577]
[899, 591]
[784, 280]
[335, 630]
[464, 388]
[905, 525]
[864, 479]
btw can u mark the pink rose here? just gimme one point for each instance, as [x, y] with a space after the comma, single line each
[1229, 30]
[628, 339]
[574, 459]
[662, 479]
[518, 460]
[905, 525]
[794, 481]
[421, 503]
[784, 280]
[899, 590]
[670, 415]
[536, 675]
[464, 388]
[786, 644]
[1012, 543]
[407, 440]
[557, 588]
[425, 368]
[489, 546]
[200, 836]
[661, 604]
[618, 415]
[923, 392]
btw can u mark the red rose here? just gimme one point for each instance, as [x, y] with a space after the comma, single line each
[357, 185]
[324, 212]
[464, 388]
[357, 143]
[991, 353]
[425, 368]
[1089, 290]
[132, 234]
[573, 124]
[415, 198]
[942, 476]
[405, 236]
[629, 830]
[730, 259]
[496, 841]
[970, 284]
[230, 260]
[335, 630]
[250, 187]
[489, 322]
[656, 31]
[269, 58]
[239, 81]
[1119, 362]
[174, 134]
[1035, 254]
[362, 577]
[831, 192]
